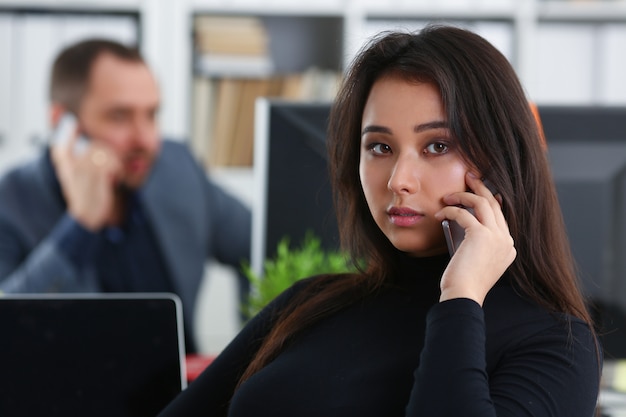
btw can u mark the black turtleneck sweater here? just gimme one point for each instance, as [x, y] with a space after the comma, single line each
[402, 353]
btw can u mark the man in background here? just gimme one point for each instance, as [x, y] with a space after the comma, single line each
[119, 211]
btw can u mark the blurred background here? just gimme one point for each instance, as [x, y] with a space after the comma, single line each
[213, 58]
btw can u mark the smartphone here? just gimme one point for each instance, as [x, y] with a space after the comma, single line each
[453, 231]
[64, 131]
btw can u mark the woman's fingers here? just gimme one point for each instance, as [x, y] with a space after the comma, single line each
[488, 248]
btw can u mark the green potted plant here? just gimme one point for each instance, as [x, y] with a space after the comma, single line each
[290, 265]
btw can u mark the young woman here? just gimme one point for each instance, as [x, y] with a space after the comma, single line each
[498, 329]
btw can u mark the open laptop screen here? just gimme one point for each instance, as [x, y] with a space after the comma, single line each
[90, 355]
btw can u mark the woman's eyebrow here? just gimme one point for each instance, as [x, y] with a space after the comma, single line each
[375, 129]
[439, 124]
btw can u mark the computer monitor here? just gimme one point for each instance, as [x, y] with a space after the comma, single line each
[290, 171]
[90, 354]
[587, 150]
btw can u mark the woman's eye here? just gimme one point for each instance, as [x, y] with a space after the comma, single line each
[379, 148]
[437, 148]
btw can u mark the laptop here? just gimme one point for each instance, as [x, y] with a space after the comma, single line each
[90, 354]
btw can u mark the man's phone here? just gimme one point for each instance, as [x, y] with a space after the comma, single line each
[453, 232]
[64, 131]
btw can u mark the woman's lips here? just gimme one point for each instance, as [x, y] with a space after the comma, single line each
[403, 216]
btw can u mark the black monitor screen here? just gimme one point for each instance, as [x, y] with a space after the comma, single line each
[83, 355]
[291, 167]
[587, 149]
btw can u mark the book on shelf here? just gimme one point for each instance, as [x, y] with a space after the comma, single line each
[203, 104]
[223, 111]
[229, 91]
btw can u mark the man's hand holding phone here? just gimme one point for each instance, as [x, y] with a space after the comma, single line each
[88, 173]
[487, 249]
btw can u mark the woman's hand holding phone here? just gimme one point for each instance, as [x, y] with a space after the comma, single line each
[88, 173]
[487, 249]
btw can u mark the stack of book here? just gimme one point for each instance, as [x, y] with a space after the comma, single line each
[234, 45]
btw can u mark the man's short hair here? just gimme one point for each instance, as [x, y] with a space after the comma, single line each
[72, 67]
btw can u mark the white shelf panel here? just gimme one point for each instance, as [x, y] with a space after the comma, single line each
[274, 8]
[582, 11]
[467, 11]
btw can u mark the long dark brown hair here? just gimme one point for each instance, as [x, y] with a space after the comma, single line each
[489, 115]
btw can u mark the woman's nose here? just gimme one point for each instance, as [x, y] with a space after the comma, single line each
[404, 177]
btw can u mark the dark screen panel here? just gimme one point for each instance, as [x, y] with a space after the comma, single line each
[88, 356]
[298, 190]
[587, 149]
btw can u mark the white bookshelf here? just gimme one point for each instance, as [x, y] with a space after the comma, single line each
[565, 52]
